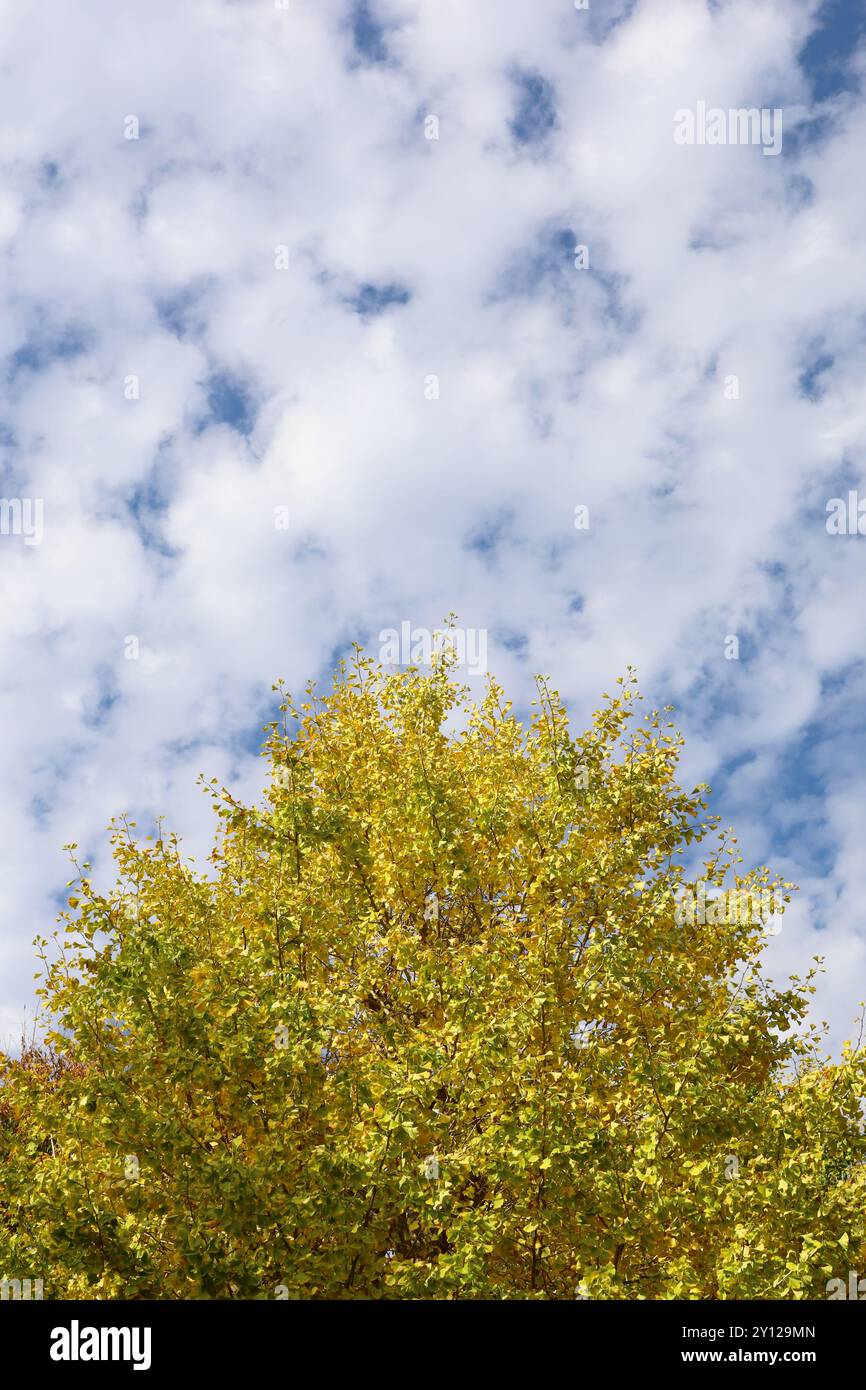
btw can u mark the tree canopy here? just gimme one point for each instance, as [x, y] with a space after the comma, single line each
[432, 1024]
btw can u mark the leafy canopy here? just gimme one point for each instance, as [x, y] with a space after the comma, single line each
[429, 1027]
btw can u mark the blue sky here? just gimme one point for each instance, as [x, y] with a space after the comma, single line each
[326, 207]
[832, 42]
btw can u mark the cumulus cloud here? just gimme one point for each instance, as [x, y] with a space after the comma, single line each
[323, 257]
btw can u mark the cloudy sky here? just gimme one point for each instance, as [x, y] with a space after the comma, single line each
[297, 347]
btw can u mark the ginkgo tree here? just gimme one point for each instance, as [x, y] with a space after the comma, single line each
[432, 1024]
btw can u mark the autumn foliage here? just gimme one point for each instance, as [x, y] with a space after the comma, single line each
[428, 1027]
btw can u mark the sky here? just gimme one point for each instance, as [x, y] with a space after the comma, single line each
[298, 345]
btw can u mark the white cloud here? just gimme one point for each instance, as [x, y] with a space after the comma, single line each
[557, 386]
